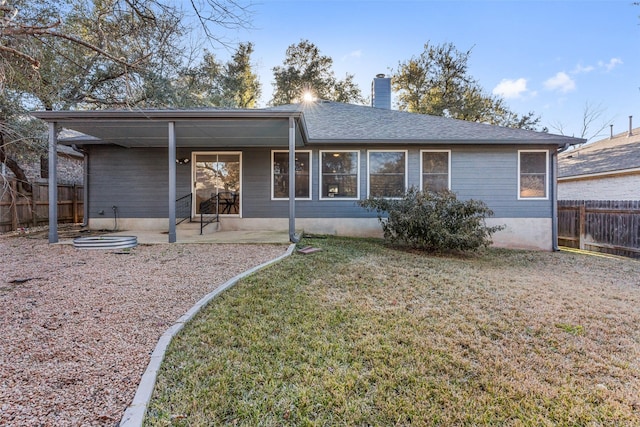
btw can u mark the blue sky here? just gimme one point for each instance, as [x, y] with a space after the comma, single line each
[550, 57]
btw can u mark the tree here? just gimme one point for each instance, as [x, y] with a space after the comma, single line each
[239, 84]
[195, 86]
[305, 69]
[64, 54]
[61, 55]
[438, 82]
[593, 122]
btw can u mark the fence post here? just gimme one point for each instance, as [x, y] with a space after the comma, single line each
[34, 206]
[14, 204]
[74, 201]
[582, 226]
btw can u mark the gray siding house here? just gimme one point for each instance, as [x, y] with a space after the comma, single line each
[141, 161]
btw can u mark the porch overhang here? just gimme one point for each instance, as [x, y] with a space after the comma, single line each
[173, 129]
[193, 128]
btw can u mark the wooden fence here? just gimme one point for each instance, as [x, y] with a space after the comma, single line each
[33, 210]
[611, 226]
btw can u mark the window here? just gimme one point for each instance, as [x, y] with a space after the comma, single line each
[280, 174]
[533, 169]
[339, 174]
[435, 166]
[387, 173]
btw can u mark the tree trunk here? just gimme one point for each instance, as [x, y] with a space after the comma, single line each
[24, 184]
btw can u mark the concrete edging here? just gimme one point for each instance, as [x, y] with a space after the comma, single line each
[135, 412]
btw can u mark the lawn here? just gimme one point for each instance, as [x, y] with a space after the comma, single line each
[363, 334]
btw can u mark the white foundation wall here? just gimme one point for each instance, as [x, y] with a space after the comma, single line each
[519, 233]
[523, 233]
[125, 224]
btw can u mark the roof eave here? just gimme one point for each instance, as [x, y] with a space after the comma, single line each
[168, 115]
[603, 174]
[312, 141]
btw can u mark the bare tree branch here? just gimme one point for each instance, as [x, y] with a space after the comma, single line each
[34, 62]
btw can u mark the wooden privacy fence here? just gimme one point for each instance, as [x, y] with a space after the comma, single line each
[31, 210]
[611, 226]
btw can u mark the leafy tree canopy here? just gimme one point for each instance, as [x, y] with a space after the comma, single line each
[438, 82]
[76, 54]
[306, 70]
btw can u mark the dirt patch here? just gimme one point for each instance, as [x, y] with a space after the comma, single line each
[78, 326]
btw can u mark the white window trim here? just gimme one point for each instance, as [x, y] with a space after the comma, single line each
[310, 174]
[406, 170]
[448, 167]
[194, 154]
[357, 175]
[546, 173]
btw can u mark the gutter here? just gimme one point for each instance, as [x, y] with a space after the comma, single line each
[554, 203]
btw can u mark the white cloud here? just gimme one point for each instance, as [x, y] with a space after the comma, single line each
[560, 82]
[613, 63]
[583, 69]
[353, 54]
[509, 89]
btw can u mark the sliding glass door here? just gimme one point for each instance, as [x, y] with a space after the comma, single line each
[216, 177]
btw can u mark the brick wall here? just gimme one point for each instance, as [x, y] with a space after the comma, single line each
[69, 170]
[604, 188]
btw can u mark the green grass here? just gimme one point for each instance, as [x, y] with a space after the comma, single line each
[361, 334]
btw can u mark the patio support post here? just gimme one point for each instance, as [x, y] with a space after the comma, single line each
[53, 183]
[292, 181]
[172, 182]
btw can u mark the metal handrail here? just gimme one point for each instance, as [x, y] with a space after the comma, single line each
[183, 208]
[209, 207]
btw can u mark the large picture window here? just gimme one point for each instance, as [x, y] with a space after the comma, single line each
[435, 167]
[339, 174]
[533, 172]
[280, 174]
[387, 173]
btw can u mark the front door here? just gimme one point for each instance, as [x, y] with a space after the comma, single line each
[218, 176]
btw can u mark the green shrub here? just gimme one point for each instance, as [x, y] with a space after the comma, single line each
[433, 221]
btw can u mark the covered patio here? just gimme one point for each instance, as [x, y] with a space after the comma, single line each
[171, 130]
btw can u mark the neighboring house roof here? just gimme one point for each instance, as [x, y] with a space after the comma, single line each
[620, 154]
[320, 122]
[68, 151]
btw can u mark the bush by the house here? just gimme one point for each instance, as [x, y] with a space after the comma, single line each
[433, 221]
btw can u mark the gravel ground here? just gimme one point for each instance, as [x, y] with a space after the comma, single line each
[78, 326]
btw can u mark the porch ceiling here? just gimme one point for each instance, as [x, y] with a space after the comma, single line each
[152, 131]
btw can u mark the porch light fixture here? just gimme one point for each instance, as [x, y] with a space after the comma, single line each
[183, 161]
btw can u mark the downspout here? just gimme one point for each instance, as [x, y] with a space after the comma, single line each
[554, 199]
[292, 181]
[53, 183]
[85, 181]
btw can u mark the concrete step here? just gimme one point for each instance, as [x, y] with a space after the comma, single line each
[193, 227]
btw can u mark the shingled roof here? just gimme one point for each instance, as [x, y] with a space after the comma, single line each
[612, 155]
[322, 122]
[331, 122]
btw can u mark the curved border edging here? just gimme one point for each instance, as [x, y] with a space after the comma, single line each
[135, 412]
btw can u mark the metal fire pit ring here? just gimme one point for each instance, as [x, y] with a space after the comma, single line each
[105, 242]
